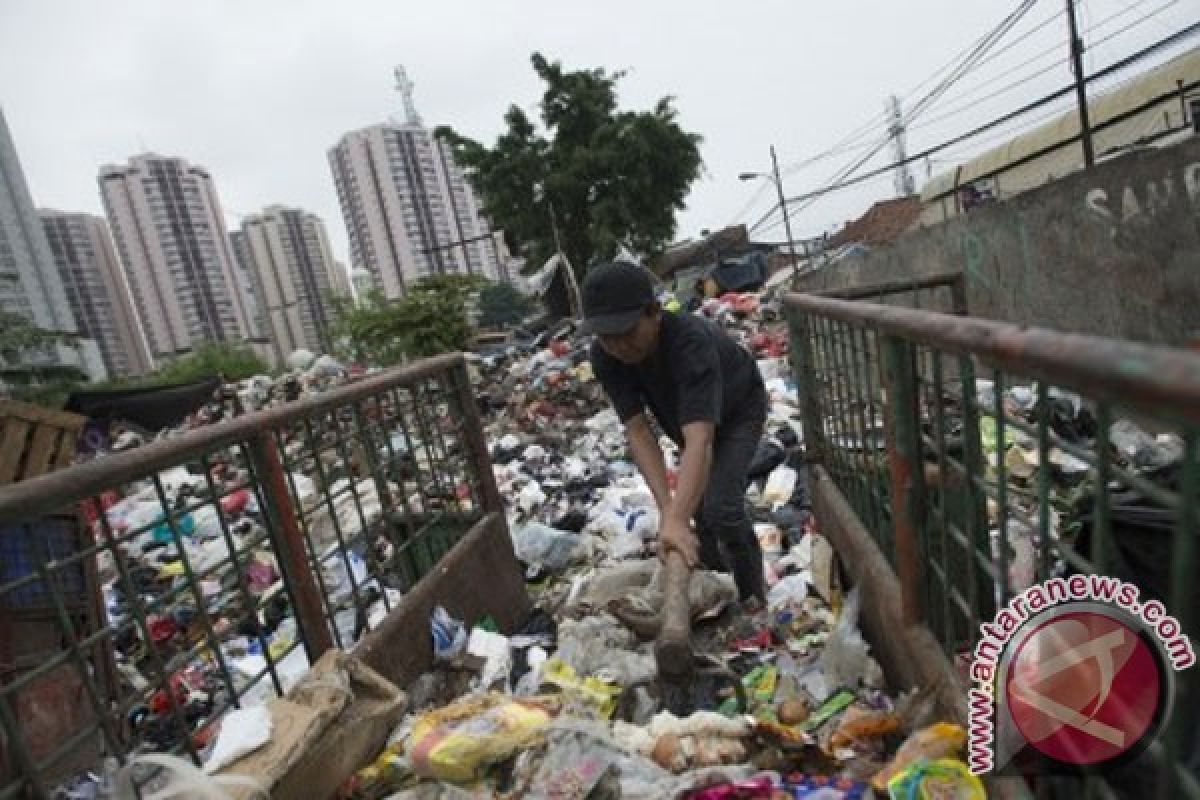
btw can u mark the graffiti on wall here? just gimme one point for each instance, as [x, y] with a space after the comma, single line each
[1156, 197]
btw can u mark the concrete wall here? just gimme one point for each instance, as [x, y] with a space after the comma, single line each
[1111, 252]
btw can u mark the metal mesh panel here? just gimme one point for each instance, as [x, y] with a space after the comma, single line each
[204, 572]
[984, 458]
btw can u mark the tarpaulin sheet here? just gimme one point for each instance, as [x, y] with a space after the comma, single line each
[151, 408]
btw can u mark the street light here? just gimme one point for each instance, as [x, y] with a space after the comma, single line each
[773, 176]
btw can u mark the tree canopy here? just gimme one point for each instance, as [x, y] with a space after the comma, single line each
[27, 365]
[594, 176]
[234, 362]
[430, 319]
[501, 304]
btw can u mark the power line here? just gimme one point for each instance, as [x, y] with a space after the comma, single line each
[1038, 73]
[1161, 44]
[842, 145]
[964, 67]
[851, 141]
[1109, 70]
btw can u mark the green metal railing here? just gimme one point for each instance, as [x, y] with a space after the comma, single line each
[248, 549]
[983, 457]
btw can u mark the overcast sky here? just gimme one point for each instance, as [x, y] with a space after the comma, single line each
[258, 90]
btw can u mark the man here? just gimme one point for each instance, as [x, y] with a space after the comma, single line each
[706, 394]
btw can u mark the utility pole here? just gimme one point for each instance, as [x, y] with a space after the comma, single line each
[1085, 128]
[905, 185]
[787, 219]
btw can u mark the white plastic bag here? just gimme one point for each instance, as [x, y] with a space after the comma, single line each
[178, 779]
[494, 649]
[790, 591]
[781, 483]
[243, 731]
[844, 659]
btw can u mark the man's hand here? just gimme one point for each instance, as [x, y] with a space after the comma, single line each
[678, 536]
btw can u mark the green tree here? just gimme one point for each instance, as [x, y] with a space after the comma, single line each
[27, 365]
[594, 177]
[234, 362]
[430, 319]
[501, 304]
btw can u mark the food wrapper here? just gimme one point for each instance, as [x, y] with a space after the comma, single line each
[943, 779]
[458, 743]
[595, 692]
[858, 724]
[938, 741]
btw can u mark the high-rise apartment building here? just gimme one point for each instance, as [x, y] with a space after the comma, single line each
[170, 233]
[286, 252]
[30, 284]
[96, 289]
[408, 208]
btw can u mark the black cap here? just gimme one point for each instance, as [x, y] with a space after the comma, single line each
[615, 294]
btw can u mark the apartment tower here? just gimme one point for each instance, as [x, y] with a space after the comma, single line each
[287, 255]
[97, 290]
[170, 233]
[408, 208]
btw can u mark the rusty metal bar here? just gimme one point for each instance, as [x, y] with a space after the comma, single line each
[876, 290]
[475, 440]
[289, 545]
[801, 351]
[1145, 377]
[46, 493]
[905, 469]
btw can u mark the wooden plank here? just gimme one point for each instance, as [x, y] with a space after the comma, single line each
[42, 450]
[32, 413]
[12, 448]
[66, 450]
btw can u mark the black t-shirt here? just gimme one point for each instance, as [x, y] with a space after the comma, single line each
[697, 373]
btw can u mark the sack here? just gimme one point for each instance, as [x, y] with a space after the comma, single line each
[332, 722]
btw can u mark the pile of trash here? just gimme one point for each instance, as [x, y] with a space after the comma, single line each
[1141, 524]
[787, 700]
[188, 525]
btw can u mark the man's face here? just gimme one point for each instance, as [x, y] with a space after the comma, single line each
[635, 345]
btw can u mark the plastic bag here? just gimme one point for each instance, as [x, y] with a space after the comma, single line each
[449, 635]
[530, 497]
[780, 485]
[599, 645]
[790, 591]
[243, 731]
[844, 659]
[555, 550]
[574, 763]
[494, 649]
[178, 779]
[597, 693]
[940, 740]
[820, 787]
[459, 742]
[942, 779]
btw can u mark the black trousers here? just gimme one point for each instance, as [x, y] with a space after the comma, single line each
[727, 539]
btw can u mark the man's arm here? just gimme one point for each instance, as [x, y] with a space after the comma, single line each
[675, 529]
[648, 457]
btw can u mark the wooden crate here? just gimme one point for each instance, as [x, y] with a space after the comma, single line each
[35, 440]
[53, 707]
